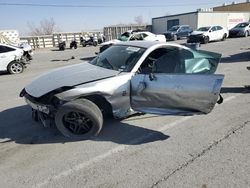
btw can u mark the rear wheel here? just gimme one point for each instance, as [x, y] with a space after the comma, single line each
[79, 119]
[15, 67]
[224, 37]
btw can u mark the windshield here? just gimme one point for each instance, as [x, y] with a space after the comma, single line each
[241, 25]
[124, 36]
[203, 29]
[120, 58]
[174, 28]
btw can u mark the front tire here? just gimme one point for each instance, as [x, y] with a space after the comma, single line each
[206, 40]
[79, 119]
[246, 34]
[84, 44]
[15, 67]
[175, 37]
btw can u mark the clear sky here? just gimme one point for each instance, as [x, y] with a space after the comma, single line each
[80, 15]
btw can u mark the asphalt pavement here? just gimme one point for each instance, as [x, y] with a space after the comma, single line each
[200, 151]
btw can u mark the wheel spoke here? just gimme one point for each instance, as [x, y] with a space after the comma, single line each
[77, 123]
[70, 120]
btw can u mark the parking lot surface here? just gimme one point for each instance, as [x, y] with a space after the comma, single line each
[210, 150]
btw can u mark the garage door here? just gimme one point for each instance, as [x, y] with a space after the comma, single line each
[171, 23]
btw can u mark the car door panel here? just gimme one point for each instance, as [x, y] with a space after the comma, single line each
[175, 93]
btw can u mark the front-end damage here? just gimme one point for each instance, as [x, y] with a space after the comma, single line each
[111, 95]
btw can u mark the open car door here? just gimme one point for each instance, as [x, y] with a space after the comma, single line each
[181, 82]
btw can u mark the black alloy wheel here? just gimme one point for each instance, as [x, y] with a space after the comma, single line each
[79, 119]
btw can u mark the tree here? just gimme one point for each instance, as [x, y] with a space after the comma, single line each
[46, 27]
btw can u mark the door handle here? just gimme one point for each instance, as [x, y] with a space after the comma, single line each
[3, 56]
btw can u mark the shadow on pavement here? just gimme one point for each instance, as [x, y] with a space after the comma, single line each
[87, 58]
[235, 58]
[17, 126]
[245, 89]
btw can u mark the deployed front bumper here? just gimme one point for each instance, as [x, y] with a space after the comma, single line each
[39, 107]
[236, 33]
[196, 39]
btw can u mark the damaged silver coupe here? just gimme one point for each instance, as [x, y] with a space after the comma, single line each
[127, 78]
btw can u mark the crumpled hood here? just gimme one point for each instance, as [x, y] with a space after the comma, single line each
[198, 32]
[67, 76]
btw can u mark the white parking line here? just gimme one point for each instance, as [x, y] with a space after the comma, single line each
[119, 149]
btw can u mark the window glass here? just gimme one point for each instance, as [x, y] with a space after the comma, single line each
[4, 49]
[213, 29]
[219, 28]
[136, 37]
[144, 35]
[120, 58]
[203, 29]
[180, 61]
[162, 60]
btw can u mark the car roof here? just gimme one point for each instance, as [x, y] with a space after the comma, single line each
[147, 44]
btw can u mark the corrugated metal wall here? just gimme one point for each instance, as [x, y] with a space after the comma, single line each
[199, 19]
[113, 32]
[159, 25]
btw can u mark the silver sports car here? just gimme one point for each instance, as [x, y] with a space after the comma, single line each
[127, 78]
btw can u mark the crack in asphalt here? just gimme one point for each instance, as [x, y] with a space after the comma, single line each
[203, 152]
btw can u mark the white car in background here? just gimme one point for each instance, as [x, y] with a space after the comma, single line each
[207, 34]
[132, 35]
[141, 35]
[11, 59]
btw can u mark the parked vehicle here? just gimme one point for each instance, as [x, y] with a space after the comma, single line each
[27, 49]
[141, 35]
[129, 77]
[207, 34]
[240, 30]
[101, 38]
[90, 41]
[132, 35]
[73, 44]
[62, 45]
[178, 32]
[11, 59]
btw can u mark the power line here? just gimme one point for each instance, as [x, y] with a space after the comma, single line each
[103, 6]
